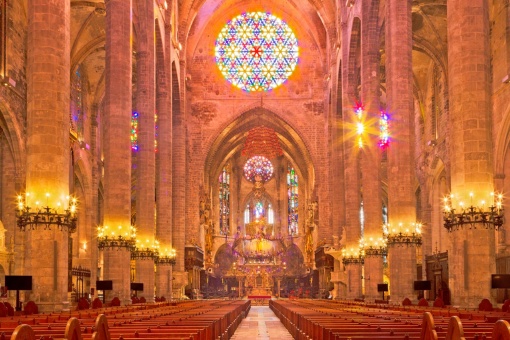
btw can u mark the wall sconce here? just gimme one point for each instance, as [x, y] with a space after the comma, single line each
[489, 217]
[64, 219]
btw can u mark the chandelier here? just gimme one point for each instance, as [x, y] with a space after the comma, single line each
[371, 247]
[410, 235]
[490, 216]
[262, 141]
[44, 215]
[145, 252]
[110, 238]
[168, 257]
[352, 256]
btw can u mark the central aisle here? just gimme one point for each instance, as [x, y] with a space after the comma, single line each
[261, 324]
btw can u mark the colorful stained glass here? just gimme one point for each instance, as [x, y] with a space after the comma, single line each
[134, 131]
[258, 168]
[384, 134]
[256, 51]
[76, 114]
[259, 210]
[292, 193]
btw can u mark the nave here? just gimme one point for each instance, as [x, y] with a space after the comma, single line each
[261, 324]
[301, 319]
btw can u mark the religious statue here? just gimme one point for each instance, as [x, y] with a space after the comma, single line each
[209, 241]
[312, 213]
[309, 244]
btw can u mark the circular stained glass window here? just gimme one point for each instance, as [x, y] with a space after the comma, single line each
[258, 168]
[256, 51]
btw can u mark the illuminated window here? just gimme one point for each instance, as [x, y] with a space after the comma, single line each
[134, 131]
[76, 103]
[247, 214]
[224, 192]
[292, 196]
[256, 51]
[258, 168]
[270, 215]
[259, 210]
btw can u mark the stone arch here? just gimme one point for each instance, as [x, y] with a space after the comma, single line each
[502, 146]
[294, 260]
[13, 132]
[210, 15]
[354, 57]
[223, 260]
[439, 185]
[231, 137]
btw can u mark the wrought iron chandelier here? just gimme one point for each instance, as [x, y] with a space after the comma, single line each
[28, 218]
[116, 240]
[491, 216]
[167, 258]
[408, 236]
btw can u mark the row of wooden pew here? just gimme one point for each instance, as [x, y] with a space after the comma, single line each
[342, 320]
[191, 320]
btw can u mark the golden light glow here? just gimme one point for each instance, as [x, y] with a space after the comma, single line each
[484, 202]
[124, 231]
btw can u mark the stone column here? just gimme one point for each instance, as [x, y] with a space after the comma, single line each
[146, 159]
[48, 155]
[94, 202]
[472, 255]
[164, 172]
[401, 176]
[351, 171]
[371, 154]
[179, 184]
[402, 269]
[117, 143]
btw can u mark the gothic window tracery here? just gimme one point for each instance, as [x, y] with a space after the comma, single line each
[224, 200]
[76, 114]
[292, 196]
[256, 51]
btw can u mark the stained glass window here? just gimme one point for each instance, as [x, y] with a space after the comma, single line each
[224, 192]
[134, 131]
[256, 51]
[247, 214]
[270, 215]
[76, 102]
[259, 210]
[292, 196]
[258, 168]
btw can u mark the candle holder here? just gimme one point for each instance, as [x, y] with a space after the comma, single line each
[487, 217]
[144, 254]
[373, 247]
[28, 218]
[352, 257]
[409, 236]
[169, 258]
[114, 240]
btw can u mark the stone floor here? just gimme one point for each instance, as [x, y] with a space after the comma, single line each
[261, 324]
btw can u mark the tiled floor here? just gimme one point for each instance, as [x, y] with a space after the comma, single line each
[261, 324]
